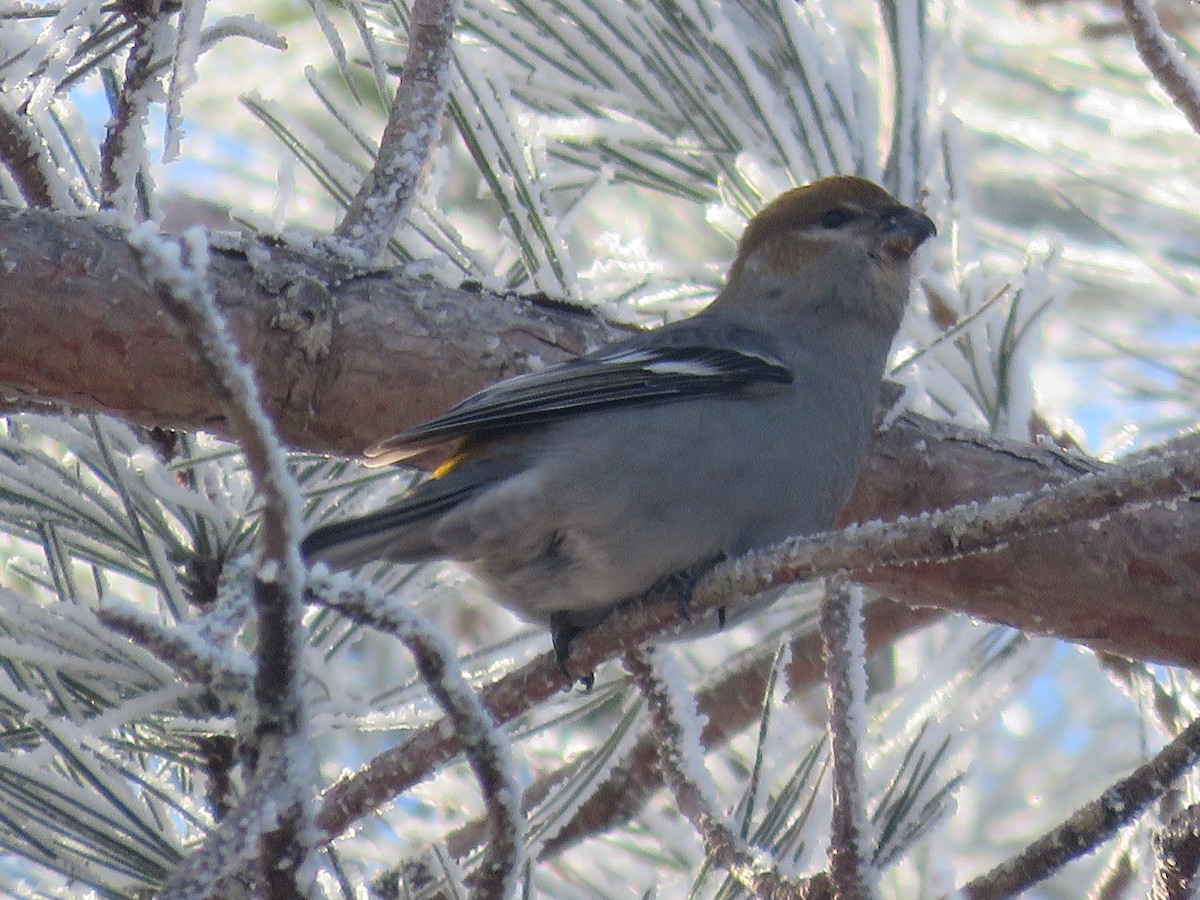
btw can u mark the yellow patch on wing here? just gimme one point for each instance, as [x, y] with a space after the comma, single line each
[466, 452]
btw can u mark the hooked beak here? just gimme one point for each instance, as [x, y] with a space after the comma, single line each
[904, 230]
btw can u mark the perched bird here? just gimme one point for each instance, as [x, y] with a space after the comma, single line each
[583, 485]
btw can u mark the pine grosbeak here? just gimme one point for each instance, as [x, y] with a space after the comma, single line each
[582, 485]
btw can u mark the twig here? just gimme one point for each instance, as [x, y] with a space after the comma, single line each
[1177, 849]
[180, 648]
[850, 867]
[726, 707]
[123, 151]
[1168, 66]
[860, 550]
[682, 758]
[1093, 824]
[26, 157]
[388, 191]
[484, 744]
[278, 585]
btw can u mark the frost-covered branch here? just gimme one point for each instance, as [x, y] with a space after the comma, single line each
[1177, 856]
[123, 151]
[181, 275]
[1091, 825]
[197, 660]
[486, 748]
[25, 156]
[673, 714]
[386, 195]
[850, 868]
[1162, 57]
[726, 707]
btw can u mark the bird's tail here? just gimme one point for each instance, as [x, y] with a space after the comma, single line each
[401, 532]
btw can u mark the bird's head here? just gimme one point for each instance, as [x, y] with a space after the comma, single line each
[841, 243]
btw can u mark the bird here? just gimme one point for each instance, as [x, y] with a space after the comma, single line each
[573, 489]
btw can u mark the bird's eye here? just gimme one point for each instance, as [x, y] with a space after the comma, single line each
[836, 218]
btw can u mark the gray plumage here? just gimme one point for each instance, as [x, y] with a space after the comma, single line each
[580, 486]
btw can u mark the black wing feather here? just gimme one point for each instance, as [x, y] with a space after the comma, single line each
[620, 375]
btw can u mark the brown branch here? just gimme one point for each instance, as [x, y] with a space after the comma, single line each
[343, 364]
[25, 156]
[1168, 66]
[387, 193]
[1093, 824]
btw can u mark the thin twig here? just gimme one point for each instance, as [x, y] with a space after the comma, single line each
[123, 151]
[486, 748]
[850, 867]
[1093, 824]
[1177, 852]
[860, 550]
[388, 191]
[726, 706]
[284, 845]
[1168, 66]
[188, 655]
[26, 157]
[682, 758]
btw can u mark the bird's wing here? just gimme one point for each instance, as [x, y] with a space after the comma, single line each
[673, 363]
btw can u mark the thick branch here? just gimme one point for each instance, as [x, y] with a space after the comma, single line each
[340, 367]
[345, 364]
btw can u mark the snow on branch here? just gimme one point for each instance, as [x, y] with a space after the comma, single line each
[181, 276]
[188, 655]
[123, 151]
[485, 745]
[1093, 824]
[861, 551]
[26, 157]
[388, 191]
[1162, 57]
[850, 847]
[673, 714]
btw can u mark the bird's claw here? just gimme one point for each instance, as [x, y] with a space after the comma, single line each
[562, 632]
[683, 584]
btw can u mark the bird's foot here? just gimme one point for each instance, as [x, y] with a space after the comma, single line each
[683, 583]
[562, 632]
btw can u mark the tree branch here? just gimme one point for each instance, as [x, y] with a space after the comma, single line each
[1168, 66]
[344, 363]
[674, 717]
[26, 157]
[282, 716]
[1091, 825]
[851, 872]
[387, 193]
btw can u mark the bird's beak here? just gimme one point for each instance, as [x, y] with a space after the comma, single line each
[904, 230]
